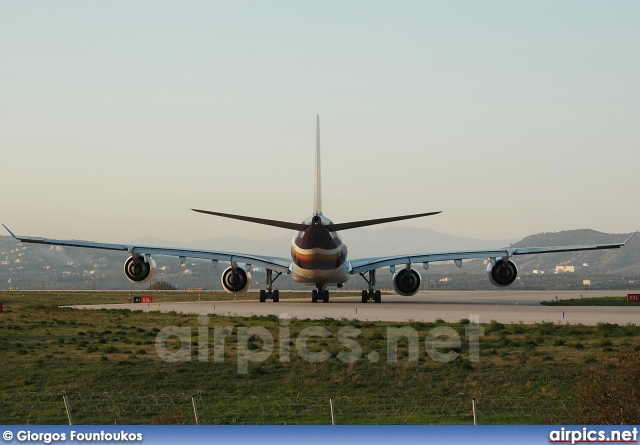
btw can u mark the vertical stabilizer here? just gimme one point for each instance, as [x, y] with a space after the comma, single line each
[317, 202]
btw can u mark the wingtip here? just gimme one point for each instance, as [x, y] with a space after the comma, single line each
[626, 241]
[10, 232]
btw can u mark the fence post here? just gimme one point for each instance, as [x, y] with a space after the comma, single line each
[195, 409]
[68, 408]
[474, 407]
[261, 409]
[333, 411]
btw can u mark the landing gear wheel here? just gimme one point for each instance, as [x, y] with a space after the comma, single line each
[314, 296]
[370, 293]
[270, 293]
[325, 296]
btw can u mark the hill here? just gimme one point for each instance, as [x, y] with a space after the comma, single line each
[624, 261]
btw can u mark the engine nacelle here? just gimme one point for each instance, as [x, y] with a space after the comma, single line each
[236, 281]
[139, 270]
[502, 273]
[406, 283]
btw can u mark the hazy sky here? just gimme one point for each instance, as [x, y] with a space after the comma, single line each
[512, 117]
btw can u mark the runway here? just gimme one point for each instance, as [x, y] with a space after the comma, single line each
[501, 305]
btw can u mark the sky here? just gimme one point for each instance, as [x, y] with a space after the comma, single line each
[513, 118]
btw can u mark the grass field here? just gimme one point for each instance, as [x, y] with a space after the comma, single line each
[593, 301]
[106, 361]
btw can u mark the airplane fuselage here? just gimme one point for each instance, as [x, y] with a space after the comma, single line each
[319, 257]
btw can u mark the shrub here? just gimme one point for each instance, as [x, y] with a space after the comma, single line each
[609, 393]
[494, 326]
[162, 285]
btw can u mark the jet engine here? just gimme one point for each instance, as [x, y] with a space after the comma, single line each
[406, 282]
[236, 281]
[502, 273]
[139, 270]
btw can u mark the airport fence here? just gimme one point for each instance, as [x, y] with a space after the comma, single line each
[199, 408]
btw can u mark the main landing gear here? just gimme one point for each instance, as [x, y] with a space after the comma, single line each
[269, 293]
[320, 294]
[371, 293]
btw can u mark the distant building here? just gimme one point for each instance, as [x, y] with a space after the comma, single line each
[586, 282]
[565, 269]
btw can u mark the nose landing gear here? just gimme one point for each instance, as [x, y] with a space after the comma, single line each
[320, 294]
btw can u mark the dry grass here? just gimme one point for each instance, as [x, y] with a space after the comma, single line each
[46, 348]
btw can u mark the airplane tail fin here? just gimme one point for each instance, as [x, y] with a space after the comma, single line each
[317, 201]
[317, 206]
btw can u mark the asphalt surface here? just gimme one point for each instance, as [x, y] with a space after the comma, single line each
[505, 306]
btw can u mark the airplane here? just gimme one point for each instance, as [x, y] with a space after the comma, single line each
[319, 256]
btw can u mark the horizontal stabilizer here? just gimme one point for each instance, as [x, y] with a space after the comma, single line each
[266, 222]
[372, 222]
[301, 226]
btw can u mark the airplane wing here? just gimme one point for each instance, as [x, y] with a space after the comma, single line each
[273, 263]
[367, 264]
